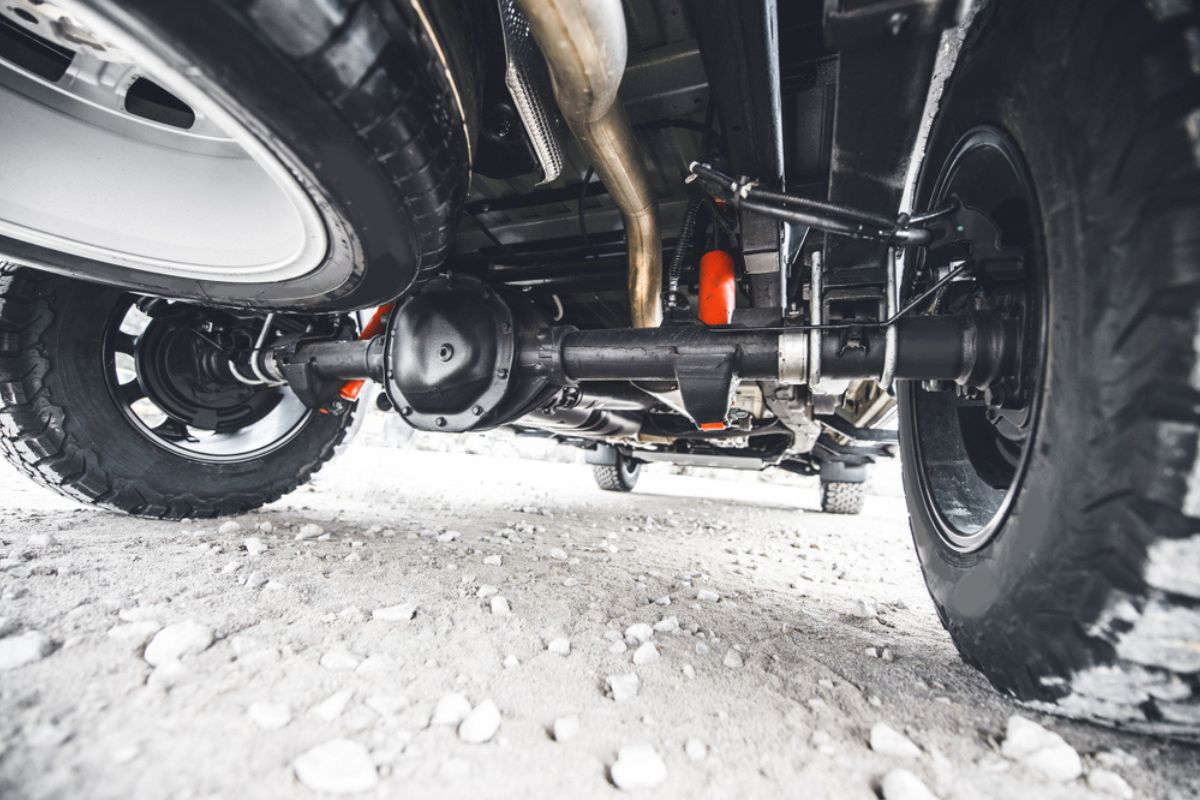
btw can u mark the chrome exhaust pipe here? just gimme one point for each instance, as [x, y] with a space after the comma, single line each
[585, 46]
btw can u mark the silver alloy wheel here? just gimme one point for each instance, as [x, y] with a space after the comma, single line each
[121, 159]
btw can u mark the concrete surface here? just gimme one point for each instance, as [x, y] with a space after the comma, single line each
[290, 663]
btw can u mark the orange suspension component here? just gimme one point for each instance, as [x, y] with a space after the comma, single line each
[718, 288]
[374, 327]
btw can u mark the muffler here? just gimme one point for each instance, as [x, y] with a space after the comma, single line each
[585, 46]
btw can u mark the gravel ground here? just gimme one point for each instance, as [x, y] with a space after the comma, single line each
[336, 641]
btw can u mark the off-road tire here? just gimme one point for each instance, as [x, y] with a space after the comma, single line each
[839, 497]
[60, 425]
[619, 477]
[369, 106]
[1086, 602]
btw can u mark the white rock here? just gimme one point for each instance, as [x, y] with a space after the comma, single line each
[558, 554]
[647, 653]
[900, 784]
[864, 609]
[493, 560]
[823, 742]
[265, 526]
[254, 545]
[1106, 782]
[696, 750]
[448, 536]
[888, 741]
[667, 625]
[229, 527]
[1116, 757]
[565, 728]
[42, 540]
[339, 659]
[638, 766]
[689, 671]
[559, 645]
[178, 641]
[398, 613]
[639, 632]
[618, 647]
[135, 634]
[332, 707]
[485, 590]
[623, 687]
[665, 600]
[451, 709]
[24, 648]
[707, 596]
[269, 716]
[309, 531]
[500, 606]
[733, 659]
[339, 766]
[481, 724]
[511, 661]
[1041, 750]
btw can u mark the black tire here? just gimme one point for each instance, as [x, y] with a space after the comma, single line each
[61, 425]
[839, 497]
[619, 477]
[355, 100]
[1086, 599]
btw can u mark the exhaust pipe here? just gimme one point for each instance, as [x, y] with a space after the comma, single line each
[585, 45]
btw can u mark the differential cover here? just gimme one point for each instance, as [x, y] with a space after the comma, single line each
[450, 354]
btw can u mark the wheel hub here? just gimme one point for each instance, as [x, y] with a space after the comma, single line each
[973, 445]
[183, 364]
[169, 371]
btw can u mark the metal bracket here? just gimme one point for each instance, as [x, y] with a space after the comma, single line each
[888, 373]
[815, 319]
[528, 83]
[706, 383]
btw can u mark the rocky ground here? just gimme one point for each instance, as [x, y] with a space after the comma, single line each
[444, 625]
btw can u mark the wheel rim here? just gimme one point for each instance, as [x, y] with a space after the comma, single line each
[972, 451]
[192, 412]
[113, 156]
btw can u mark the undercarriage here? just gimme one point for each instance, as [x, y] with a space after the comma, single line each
[735, 233]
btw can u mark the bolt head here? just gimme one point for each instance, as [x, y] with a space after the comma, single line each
[440, 422]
